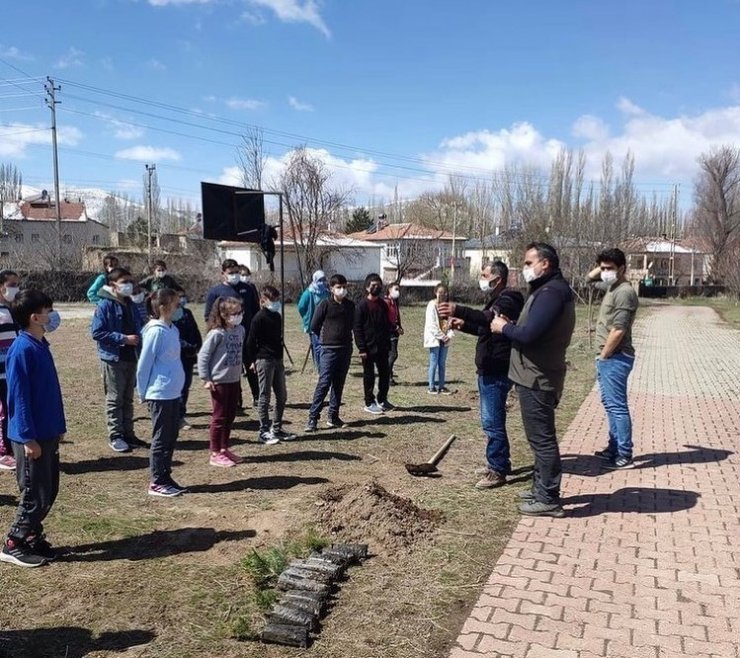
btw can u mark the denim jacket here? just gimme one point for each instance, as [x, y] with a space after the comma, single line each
[107, 325]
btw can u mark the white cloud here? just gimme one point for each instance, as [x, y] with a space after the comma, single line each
[244, 104]
[626, 106]
[72, 58]
[253, 18]
[15, 138]
[11, 52]
[590, 127]
[298, 105]
[156, 65]
[122, 129]
[148, 154]
[296, 11]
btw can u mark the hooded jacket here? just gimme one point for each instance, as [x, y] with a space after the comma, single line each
[159, 373]
[107, 327]
[311, 298]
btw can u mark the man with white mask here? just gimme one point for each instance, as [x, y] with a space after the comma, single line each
[492, 354]
[539, 340]
[616, 355]
[8, 333]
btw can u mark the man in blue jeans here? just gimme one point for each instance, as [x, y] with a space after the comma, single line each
[616, 355]
[492, 363]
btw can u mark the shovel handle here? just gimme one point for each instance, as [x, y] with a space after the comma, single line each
[442, 451]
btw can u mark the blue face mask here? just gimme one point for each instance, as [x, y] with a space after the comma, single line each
[54, 321]
[177, 315]
[183, 301]
[275, 307]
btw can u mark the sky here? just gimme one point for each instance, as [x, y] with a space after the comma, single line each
[391, 94]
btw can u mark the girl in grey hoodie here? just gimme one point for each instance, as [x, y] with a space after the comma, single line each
[220, 367]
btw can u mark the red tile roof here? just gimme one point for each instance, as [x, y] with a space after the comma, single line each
[69, 211]
[405, 231]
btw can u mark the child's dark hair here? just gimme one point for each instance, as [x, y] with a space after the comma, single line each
[216, 319]
[373, 278]
[229, 264]
[5, 275]
[157, 300]
[27, 303]
[271, 293]
[337, 280]
[116, 273]
[159, 263]
[110, 259]
[245, 270]
[391, 286]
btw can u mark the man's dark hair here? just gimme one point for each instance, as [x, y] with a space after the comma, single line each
[27, 303]
[5, 275]
[337, 280]
[614, 256]
[499, 268]
[159, 263]
[545, 252]
[116, 273]
[271, 293]
[228, 264]
[109, 260]
[373, 278]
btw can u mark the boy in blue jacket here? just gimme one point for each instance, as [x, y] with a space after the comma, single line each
[116, 327]
[36, 424]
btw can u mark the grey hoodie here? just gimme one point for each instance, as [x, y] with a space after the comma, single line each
[220, 358]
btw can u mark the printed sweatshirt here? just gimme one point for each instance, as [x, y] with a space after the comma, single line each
[220, 358]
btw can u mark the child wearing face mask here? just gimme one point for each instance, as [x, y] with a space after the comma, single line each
[264, 354]
[8, 333]
[220, 367]
[36, 425]
[116, 328]
[159, 279]
[190, 343]
[110, 262]
[437, 335]
[139, 299]
[159, 380]
[393, 293]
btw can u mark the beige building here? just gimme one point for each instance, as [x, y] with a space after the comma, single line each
[662, 262]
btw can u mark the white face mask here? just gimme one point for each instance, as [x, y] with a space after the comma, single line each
[244, 278]
[395, 293]
[609, 276]
[10, 293]
[160, 274]
[126, 289]
[232, 278]
[340, 293]
[529, 274]
[137, 298]
[235, 319]
[484, 285]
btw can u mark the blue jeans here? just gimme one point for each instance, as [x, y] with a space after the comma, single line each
[332, 375]
[493, 390]
[315, 349]
[437, 361]
[612, 375]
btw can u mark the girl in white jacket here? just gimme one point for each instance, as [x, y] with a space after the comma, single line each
[437, 335]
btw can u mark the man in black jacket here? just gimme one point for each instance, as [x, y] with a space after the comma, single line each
[539, 342]
[373, 337]
[492, 363]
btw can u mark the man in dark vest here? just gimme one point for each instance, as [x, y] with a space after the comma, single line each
[539, 341]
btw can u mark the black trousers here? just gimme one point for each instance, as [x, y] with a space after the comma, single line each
[165, 429]
[38, 481]
[377, 360]
[7, 448]
[393, 354]
[538, 417]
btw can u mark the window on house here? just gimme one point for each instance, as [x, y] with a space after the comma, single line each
[67, 238]
[95, 239]
[19, 238]
[35, 238]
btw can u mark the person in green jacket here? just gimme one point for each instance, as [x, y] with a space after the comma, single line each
[110, 262]
[159, 279]
[316, 292]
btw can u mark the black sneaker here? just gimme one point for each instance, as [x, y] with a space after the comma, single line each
[41, 546]
[310, 426]
[335, 422]
[282, 435]
[620, 464]
[179, 487]
[393, 382]
[387, 406]
[19, 553]
[136, 442]
[445, 391]
[606, 453]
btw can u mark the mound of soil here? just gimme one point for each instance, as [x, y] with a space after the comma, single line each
[371, 515]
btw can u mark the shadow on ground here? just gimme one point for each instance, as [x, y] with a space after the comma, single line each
[640, 500]
[156, 544]
[105, 464]
[262, 483]
[302, 456]
[67, 641]
[397, 419]
[591, 465]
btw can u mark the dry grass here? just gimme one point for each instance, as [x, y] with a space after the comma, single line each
[158, 577]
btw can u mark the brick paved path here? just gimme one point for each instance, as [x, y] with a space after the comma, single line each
[647, 561]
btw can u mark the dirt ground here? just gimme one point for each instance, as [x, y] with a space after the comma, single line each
[153, 577]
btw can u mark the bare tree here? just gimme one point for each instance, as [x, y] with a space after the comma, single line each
[717, 208]
[311, 202]
[251, 159]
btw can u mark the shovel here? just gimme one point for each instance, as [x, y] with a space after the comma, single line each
[430, 467]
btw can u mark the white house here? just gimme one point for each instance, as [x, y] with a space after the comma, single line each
[338, 253]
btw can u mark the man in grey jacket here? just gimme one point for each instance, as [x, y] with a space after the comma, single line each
[537, 367]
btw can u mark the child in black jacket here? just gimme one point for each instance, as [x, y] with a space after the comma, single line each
[190, 342]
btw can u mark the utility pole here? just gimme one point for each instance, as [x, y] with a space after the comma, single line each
[52, 102]
[671, 262]
[150, 169]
